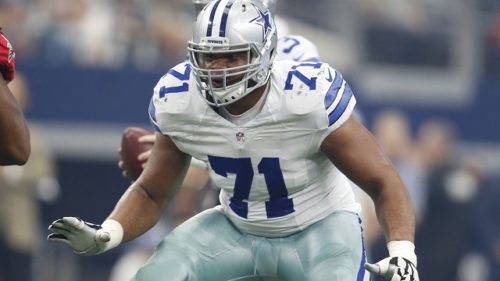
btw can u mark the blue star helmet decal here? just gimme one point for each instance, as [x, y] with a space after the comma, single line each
[264, 20]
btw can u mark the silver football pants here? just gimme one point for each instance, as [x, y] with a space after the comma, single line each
[208, 247]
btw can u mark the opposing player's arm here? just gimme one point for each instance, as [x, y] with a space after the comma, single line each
[142, 204]
[14, 134]
[15, 138]
[355, 152]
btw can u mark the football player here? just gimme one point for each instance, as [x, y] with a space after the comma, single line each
[290, 47]
[14, 134]
[280, 140]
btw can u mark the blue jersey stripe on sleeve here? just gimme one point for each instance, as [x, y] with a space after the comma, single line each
[152, 116]
[341, 107]
[222, 31]
[211, 19]
[334, 89]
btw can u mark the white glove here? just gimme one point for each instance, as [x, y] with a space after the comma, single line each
[86, 238]
[401, 265]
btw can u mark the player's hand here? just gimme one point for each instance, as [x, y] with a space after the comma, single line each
[400, 266]
[394, 269]
[7, 58]
[144, 156]
[85, 238]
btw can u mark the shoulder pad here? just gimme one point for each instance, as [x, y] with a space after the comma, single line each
[314, 88]
[302, 84]
[174, 81]
[172, 92]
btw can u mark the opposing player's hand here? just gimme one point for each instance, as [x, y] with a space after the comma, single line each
[86, 238]
[135, 150]
[400, 266]
[7, 58]
[148, 140]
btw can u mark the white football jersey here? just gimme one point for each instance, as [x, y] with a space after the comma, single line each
[291, 47]
[296, 48]
[273, 177]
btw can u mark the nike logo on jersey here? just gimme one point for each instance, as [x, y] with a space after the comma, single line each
[297, 58]
[330, 78]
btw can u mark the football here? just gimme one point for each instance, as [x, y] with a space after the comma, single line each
[131, 148]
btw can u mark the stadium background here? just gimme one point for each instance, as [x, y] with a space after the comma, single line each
[91, 67]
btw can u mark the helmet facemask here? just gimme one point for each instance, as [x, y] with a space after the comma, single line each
[224, 85]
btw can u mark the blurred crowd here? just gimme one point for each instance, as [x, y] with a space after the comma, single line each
[107, 33]
[415, 33]
[458, 234]
[452, 195]
[153, 33]
[492, 46]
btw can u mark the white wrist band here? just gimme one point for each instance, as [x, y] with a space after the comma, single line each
[403, 248]
[115, 230]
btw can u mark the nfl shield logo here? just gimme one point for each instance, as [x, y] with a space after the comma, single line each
[240, 137]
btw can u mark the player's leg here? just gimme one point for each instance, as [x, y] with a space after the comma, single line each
[331, 249]
[206, 247]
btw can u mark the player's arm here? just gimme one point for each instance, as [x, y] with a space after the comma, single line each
[14, 134]
[355, 152]
[138, 209]
[143, 203]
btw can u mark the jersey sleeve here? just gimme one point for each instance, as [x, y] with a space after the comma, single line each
[339, 101]
[170, 95]
[152, 115]
[317, 98]
[154, 103]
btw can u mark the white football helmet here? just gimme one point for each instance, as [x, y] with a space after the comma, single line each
[199, 5]
[270, 5]
[227, 28]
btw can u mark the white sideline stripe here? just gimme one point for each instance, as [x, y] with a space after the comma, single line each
[93, 141]
[100, 141]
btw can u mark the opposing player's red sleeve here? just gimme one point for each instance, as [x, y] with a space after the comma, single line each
[7, 58]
